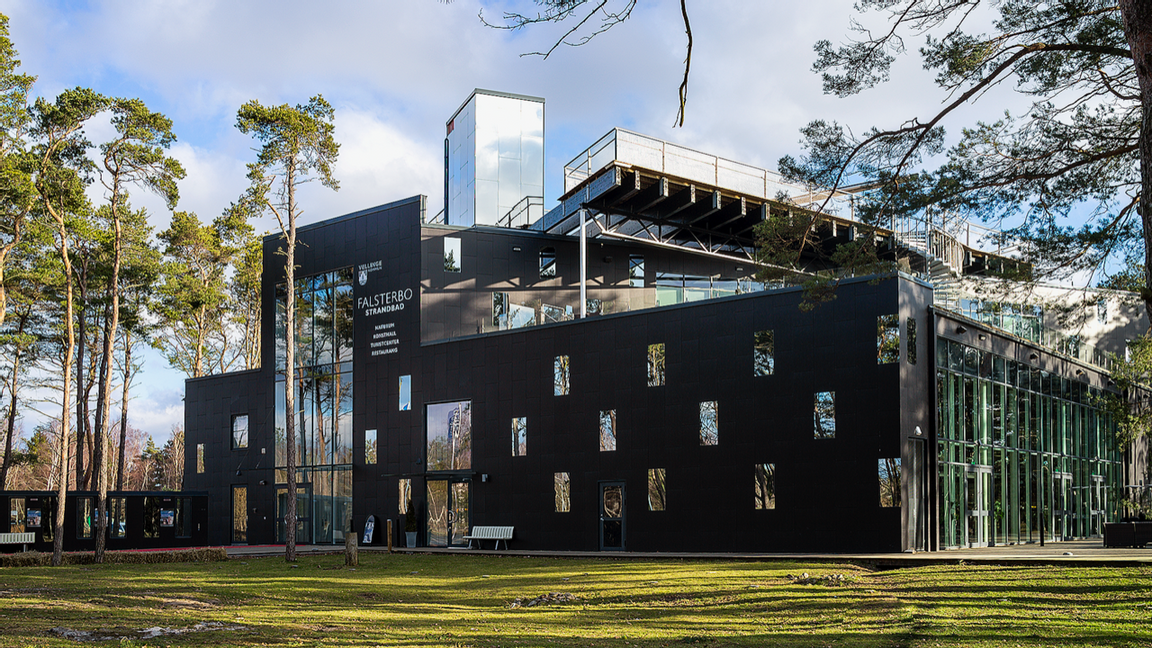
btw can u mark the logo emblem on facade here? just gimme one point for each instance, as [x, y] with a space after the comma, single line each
[363, 277]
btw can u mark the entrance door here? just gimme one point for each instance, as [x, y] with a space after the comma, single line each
[303, 513]
[977, 498]
[449, 519]
[612, 527]
[1063, 507]
[239, 515]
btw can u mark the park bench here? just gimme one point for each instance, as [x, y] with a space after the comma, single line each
[18, 538]
[497, 533]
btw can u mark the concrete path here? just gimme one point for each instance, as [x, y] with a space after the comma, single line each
[1077, 552]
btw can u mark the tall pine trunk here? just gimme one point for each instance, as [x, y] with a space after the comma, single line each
[124, 408]
[290, 375]
[1137, 16]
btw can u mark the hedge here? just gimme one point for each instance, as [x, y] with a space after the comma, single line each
[39, 559]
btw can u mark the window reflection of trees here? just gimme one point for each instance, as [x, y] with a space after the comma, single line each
[449, 440]
[887, 339]
[656, 365]
[824, 415]
[764, 362]
[608, 431]
[888, 471]
[561, 376]
[563, 487]
[709, 424]
[657, 489]
[520, 437]
[765, 486]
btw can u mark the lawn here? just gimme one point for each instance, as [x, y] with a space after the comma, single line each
[472, 600]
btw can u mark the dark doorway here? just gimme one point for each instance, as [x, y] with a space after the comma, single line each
[612, 527]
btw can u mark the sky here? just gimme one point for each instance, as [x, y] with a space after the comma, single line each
[396, 70]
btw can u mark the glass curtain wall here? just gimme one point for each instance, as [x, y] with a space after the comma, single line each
[324, 315]
[1021, 451]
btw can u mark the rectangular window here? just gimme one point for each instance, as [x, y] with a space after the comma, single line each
[239, 431]
[911, 352]
[608, 431]
[117, 517]
[764, 359]
[500, 310]
[151, 517]
[656, 362]
[405, 393]
[18, 512]
[561, 376]
[563, 485]
[547, 263]
[887, 339]
[84, 521]
[370, 447]
[765, 486]
[657, 489]
[1102, 311]
[824, 415]
[520, 437]
[239, 515]
[888, 470]
[199, 458]
[449, 436]
[709, 424]
[452, 254]
[405, 505]
[636, 270]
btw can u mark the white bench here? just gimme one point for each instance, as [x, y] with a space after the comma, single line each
[18, 538]
[497, 533]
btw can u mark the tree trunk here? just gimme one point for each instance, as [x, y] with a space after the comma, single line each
[1137, 15]
[81, 397]
[65, 416]
[124, 408]
[105, 392]
[11, 420]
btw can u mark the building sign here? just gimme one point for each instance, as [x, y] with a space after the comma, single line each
[384, 339]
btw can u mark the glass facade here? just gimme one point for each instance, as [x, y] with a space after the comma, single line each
[1022, 452]
[495, 161]
[324, 330]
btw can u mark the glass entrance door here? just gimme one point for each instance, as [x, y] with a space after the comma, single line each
[612, 527]
[977, 502]
[303, 513]
[1063, 507]
[449, 518]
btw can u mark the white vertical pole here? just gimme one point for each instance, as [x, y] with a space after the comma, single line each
[583, 266]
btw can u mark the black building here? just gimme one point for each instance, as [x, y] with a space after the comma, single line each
[446, 380]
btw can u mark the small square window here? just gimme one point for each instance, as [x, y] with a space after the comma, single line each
[563, 485]
[824, 415]
[608, 431]
[560, 379]
[239, 431]
[520, 436]
[656, 364]
[765, 486]
[709, 424]
[657, 489]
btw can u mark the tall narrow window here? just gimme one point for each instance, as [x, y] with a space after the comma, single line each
[239, 431]
[888, 471]
[824, 415]
[563, 486]
[656, 365]
[657, 489]
[239, 515]
[500, 310]
[405, 505]
[18, 510]
[117, 519]
[199, 458]
[763, 358]
[607, 431]
[370, 447]
[1102, 311]
[520, 437]
[151, 517]
[765, 486]
[561, 376]
[547, 263]
[452, 254]
[910, 325]
[887, 339]
[636, 270]
[405, 393]
[709, 425]
[84, 517]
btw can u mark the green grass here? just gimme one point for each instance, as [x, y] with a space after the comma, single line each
[465, 600]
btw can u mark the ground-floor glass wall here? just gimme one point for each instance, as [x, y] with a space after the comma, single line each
[1021, 452]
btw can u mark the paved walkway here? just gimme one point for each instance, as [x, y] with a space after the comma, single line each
[1078, 552]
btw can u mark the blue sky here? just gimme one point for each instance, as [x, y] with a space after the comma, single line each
[396, 70]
